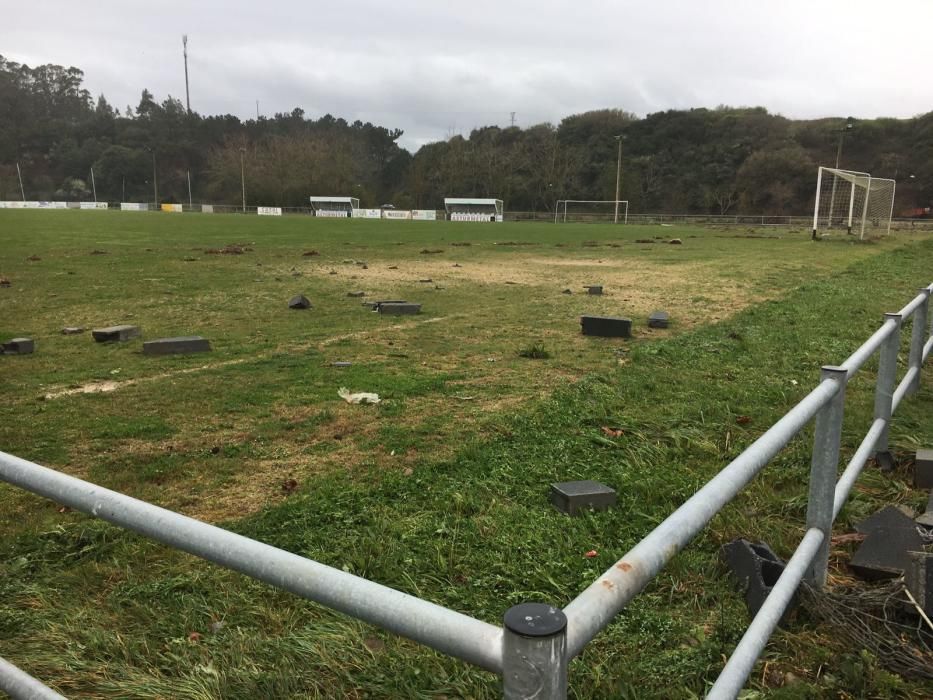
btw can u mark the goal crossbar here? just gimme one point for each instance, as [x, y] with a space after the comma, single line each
[619, 204]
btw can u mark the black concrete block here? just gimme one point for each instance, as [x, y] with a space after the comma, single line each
[919, 579]
[883, 554]
[659, 319]
[356, 294]
[756, 568]
[571, 497]
[399, 308]
[18, 346]
[923, 469]
[176, 346]
[606, 326]
[118, 333]
[594, 289]
[888, 518]
[299, 301]
[374, 305]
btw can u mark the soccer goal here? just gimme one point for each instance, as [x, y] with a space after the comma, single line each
[591, 211]
[853, 201]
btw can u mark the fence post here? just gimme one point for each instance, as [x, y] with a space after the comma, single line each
[534, 653]
[827, 434]
[918, 338]
[884, 390]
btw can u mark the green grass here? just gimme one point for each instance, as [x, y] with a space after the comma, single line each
[441, 490]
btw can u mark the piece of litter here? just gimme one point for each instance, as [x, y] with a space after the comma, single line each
[592, 553]
[359, 397]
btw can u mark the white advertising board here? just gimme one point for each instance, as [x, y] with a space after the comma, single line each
[367, 214]
[396, 214]
[424, 214]
[269, 211]
[134, 206]
[92, 205]
[207, 208]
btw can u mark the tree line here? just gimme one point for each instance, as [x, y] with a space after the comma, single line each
[725, 160]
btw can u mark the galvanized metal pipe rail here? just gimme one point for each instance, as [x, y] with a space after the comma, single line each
[447, 631]
[595, 607]
[19, 685]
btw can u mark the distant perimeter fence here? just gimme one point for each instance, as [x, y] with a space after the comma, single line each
[804, 222]
[532, 648]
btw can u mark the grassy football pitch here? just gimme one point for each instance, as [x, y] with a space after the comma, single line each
[441, 489]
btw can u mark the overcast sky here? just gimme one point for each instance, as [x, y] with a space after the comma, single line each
[435, 68]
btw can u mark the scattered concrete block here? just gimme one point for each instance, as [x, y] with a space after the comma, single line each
[594, 289]
[176, 346]
[927, 518]
[659, 319]
[923, 469]
[919, 579]
[118, 333]
[883, 554]
[756, 568]
[18, 346]
[675, 241]
[606, 326]
[356, 294]
[299, 301]
[570, 497]
[72, 330]
[889, 517]
[399, 309]
[374, 305]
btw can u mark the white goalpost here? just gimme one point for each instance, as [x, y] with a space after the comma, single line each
[591, 210]
[854, 201]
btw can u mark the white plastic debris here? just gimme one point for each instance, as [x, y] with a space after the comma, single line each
[358, 397]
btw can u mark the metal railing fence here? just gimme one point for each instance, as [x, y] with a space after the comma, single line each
[532, 650]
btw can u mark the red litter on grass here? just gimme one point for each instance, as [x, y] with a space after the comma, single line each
[592, 553]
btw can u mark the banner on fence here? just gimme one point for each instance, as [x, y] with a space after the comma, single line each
[207, 208]
[367, 214]
[134, 206]
[424, 214]
[172, 208]
[396, 214]
[269, 211]
[92, 205]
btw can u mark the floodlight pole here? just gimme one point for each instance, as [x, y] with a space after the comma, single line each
[832, 197]
[19, 174]
[615, 218]
[93, 186]
[243, 176]
[184, 44]
[190, 205]
[155, 184]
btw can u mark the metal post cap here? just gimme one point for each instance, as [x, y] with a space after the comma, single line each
[535, 620]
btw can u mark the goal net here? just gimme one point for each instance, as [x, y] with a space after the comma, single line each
[854, 202]
[591, 211]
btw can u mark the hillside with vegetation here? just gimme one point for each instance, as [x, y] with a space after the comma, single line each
[721, 161]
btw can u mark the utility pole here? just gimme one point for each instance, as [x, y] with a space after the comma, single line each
[832, 197]
[243, 176]
[93, 185]
[513, 118]
[190, 206]
[257, 110]
[184, 44]
[615, 219]
[19, 174]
